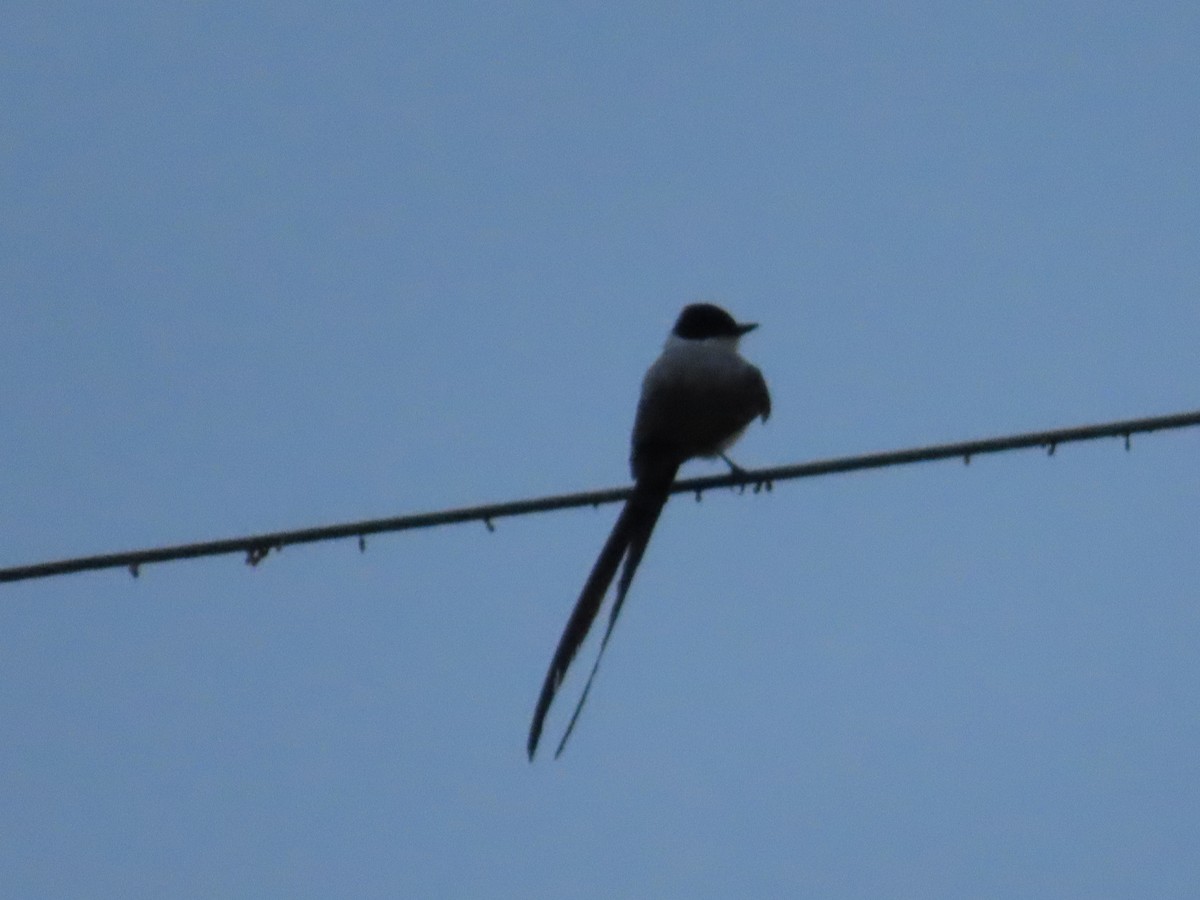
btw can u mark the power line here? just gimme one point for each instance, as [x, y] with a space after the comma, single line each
[256, 547]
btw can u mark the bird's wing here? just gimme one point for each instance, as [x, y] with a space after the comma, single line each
[762, 396]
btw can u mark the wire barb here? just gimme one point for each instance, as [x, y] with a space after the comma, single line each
[256, 547]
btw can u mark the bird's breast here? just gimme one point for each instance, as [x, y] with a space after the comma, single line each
[695, 402]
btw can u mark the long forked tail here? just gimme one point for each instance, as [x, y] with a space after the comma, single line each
[630, 533]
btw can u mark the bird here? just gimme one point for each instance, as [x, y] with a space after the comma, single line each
[697, 398]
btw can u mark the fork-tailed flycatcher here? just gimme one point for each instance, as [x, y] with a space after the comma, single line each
[697, 399]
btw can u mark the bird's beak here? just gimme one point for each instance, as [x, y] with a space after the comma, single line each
[746, 328]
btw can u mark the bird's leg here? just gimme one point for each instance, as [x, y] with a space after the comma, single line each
[733, 467]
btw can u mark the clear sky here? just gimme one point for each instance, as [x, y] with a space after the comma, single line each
[269, 267]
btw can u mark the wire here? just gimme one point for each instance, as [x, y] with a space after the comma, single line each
[257, 547]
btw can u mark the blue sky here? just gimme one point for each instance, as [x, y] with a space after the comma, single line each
[280, 266]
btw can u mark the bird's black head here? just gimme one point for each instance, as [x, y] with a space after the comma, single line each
[700, 321]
